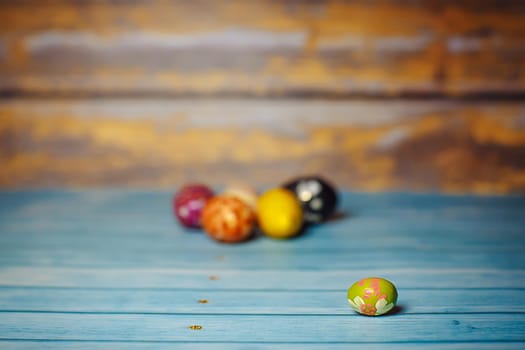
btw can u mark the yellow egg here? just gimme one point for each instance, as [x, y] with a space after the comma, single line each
[280, 213]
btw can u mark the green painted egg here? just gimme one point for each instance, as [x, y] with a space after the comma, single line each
[373, 296]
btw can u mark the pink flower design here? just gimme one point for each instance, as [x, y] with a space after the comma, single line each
[368, 309]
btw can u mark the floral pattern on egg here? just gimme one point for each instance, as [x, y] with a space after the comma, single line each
[373, 296]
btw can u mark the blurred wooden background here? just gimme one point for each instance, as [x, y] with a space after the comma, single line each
[421, 95]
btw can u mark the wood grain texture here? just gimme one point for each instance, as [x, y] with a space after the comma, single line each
[264, 329]
[227, 302]
[386, 47]
[250, 279]
[436, 145]
[140, 233]
[97, 345]
[259, 296]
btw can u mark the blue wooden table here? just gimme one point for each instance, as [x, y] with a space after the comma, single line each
[113, 270]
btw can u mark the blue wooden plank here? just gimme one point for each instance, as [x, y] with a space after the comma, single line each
[146, 276]
[412, 301]
[399, 238]
[463, 233]
[264, 328]
[379, 231]
[223, 279]
[108, 204]
[94, 345]
[130, 213]
[131, 220]
[15, 246]
[136, 257]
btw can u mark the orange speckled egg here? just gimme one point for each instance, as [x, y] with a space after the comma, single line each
[228, 219]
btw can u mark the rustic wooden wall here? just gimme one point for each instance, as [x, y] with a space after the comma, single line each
[376, 95]
[263, 47]
[359, 144]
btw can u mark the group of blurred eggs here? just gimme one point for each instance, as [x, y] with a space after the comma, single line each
[233, 215]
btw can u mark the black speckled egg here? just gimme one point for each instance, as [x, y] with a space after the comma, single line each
[317, 196]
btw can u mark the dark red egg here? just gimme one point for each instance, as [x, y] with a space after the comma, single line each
[189, 202]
